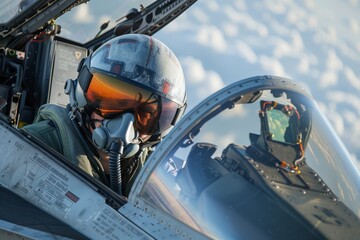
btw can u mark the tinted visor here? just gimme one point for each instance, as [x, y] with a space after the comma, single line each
[110, 96]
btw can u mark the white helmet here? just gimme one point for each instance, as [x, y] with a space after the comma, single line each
[133, 73]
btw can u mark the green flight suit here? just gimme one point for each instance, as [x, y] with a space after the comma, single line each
[53, 126]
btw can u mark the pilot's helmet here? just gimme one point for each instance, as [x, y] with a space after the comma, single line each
[138, 74]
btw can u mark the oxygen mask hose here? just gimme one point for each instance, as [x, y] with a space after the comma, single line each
[115, 154]
[117, 136]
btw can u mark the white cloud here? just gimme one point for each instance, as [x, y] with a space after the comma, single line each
[312, 22]
[181, 24]
[338, 123]
[333, 66]
[83, 15]
[309, 4]
[284, 48]
[208, 136]
[335, 119]
[200, 15]
[333, 62]
[354, 3]
[354, 25]
[247, 20]
[326, 36]
[201, 82]
[350, 116]
[272, 66]
[230, 29]
[212, 5]
[213, 82]
[245, 51]
[304, 65]
[211, 36]
[297, 42]
[328, 78]
[193, 69]
[281, 48]
[295, 16]
[352, 130]
[276, 7]
[277, 27]
[240, 4]
[348, 99]
[352, 78]
[238, 111]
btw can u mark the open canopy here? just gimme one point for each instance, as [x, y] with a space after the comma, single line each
[257, 159]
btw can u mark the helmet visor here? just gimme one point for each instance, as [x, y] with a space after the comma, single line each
[110, 96]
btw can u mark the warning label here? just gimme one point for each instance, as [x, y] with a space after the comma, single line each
[111, 225]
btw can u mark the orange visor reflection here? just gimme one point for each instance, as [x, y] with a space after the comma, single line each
[110, 96]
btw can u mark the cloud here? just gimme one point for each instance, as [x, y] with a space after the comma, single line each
[178, 26]
[245, 19]
[350, 50]
[326, 36]
[309, 4]
[272, 66]
[238, 111]
[352, 128]
[333, 62]
[293, 47]
[301, 16]
[303, 65]
[281, 47]
[278, 27]
[352, 78]
[335, 119]
[328, 78]
[211, 36]
[333, 66]
[245, 51]
[200, 15]
[194, 69]
[202, 82]
[354, 3]
[275, 7]
[83, 15]
[230, 29]
[296, 17]
[240, 4]
[297, 41]
[354, 25]
[212, 5]
[346, 98]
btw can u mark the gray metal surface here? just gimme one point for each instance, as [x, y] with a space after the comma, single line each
[49, 187]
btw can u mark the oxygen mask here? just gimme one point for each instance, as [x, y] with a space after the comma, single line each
[119, 139]
[119, 129]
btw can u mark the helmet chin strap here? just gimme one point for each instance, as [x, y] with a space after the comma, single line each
[118, 137]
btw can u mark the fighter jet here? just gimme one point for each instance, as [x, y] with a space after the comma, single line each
[255, 160]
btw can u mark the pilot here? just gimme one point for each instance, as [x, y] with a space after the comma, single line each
[128, 95]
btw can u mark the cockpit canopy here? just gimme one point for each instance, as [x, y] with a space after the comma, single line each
[256, 159]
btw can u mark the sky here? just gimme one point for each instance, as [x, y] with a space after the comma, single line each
[316, 43]
[218, 42]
